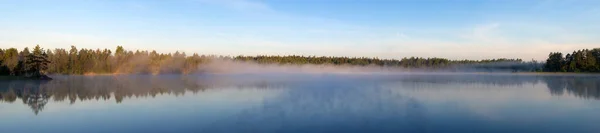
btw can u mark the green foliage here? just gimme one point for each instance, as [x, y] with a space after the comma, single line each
[11, 60]
[24, 62]
[104, 61]
[89, 61]
[412, 62]
[579, 61]
[37, 62]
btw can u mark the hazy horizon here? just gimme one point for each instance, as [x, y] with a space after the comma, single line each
[468, 29]
[300, 66]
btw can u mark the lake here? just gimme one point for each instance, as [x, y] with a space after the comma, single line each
[301, 103]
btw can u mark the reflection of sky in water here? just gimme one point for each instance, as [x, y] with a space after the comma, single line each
[526, 108]
[322, 103]
[167, 112]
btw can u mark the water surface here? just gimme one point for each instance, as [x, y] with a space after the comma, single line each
[303, 103]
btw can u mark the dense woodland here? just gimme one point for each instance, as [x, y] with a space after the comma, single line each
[501, 64]
[578, 61]
[31, 64]
[104, 61]
[412, 62]
[89, 61]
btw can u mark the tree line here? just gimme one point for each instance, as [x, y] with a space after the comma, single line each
[104, 61]
[25, 62]
[486, 65]
[99, 61]
[579, 61]
[412, 62]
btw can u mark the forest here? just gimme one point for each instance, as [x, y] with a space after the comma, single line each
[99, 61]
[104, 61]
[579, 61]
[412, 62]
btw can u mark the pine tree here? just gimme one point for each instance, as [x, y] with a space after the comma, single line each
[36, 63]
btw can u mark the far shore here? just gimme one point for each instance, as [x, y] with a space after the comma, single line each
[8, 77]
[559, 73]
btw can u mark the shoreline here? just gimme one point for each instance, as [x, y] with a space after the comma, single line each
[41, 78]
[560, 73]
[48, 77]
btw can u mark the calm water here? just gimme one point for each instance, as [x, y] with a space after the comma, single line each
[303, 103]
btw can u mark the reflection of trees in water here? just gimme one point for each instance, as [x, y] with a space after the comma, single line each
[36, 100]
[487, 79]
[72, 88]
[584, 87]
[343, 106]
[30, 93]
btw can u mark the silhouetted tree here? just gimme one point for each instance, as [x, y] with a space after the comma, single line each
[579, 61]
[36, 63]
[554, 62]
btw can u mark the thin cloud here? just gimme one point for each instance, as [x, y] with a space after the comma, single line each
[485, 33]
[401, 35]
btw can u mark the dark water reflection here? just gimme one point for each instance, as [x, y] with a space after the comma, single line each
[303, 103]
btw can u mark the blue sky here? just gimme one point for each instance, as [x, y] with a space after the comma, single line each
[455, 29]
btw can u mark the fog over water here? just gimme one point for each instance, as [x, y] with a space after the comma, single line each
[242, 67]
[303, 102]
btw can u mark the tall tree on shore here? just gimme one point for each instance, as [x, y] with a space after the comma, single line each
[73, 65]
[11, 60]
[554, 62]
[590, 61]
[37, 62]
[596, 53]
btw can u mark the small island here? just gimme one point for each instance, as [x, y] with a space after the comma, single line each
[24, 64]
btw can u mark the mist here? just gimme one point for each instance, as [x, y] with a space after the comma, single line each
[93, 62]
[229, 66]
[225, 66]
